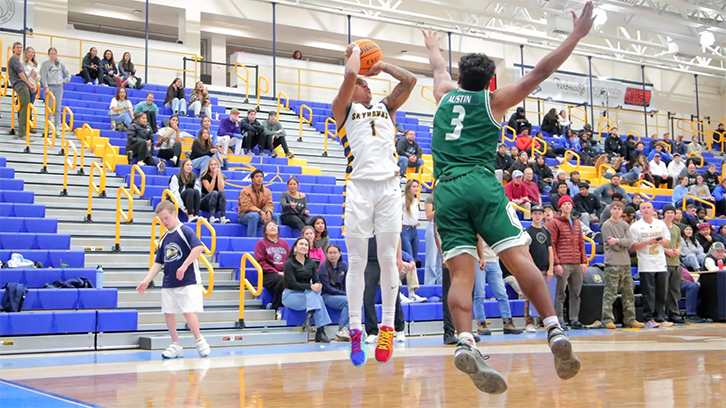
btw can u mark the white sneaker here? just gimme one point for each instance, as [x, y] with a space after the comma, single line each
[174, 160]
[666, 324]
[173, 351]
[530, 329]
[371, 339]
[193, 218]
[404, 299]
[416, 298]
[212, 220]
[203, 347]
[224, 220]
[400, 337]
[342, 334]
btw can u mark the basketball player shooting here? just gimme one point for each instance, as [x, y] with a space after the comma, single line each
[373, 194]
[469, 200]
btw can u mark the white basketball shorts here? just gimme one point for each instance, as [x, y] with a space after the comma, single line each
[184, 299]
[372, 207]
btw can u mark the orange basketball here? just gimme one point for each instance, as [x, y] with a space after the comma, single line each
[370, 53]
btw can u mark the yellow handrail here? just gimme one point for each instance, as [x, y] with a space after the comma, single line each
[705, 133]
[421, 174]
[639, 184]
[49, 112]
[423, 88]
[304, 119]
[67, 127]
[700, 164]
[634, 133]
[260, 91]
[208, 251]
[245, 283]
[600, 127]
[574, 155]
[246, 78]
[691, 131]
[708, 203]
[327, 133]
[665, 145]
[109, 163]
[14, 108]
[129, 218]
[68, 165]
[720, 140]
[505, 138]
[577, 108]
[4, 77]
[541, 141]
[167, 194]
[100, 189]
[86, 144]
[287, 102]
[592, 249]
[30, 124]
[522, 209]
[599, 173]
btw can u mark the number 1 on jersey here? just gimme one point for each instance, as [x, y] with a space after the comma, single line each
[457, 122]
[373, 128]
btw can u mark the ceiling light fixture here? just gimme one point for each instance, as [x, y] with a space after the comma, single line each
[707, 38]
[601, 17]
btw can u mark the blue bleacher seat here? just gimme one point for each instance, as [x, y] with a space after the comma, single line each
[117, 320]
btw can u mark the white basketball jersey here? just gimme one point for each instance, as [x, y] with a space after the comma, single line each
[651, 258]
[369, 137]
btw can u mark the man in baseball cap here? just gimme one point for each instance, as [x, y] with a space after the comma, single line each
[516, 191]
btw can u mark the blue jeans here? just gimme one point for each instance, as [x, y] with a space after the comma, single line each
[693, 261]
[409, 241]
[307, 300]
[252, 221]
[339, 302]
[403, 163]
[200, 163]
[433, 272]
[492, 275]
[124, 118]
[690, 291]
[177, 105]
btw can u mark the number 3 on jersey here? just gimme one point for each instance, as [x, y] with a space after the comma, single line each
[457, 122]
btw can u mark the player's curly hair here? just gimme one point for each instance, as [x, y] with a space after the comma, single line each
[475, 71]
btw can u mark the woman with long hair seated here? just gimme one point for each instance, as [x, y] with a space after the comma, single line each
[271, 253]
[322, 238]
[187, 190]
[214, 199]
[203, 150]
[314, 252]
[303, 289]
[294, 203]
[332, 273]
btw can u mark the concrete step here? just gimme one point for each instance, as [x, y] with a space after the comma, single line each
[154, 295]
[99, 203]
[209, 316]
[109, 258]
[104, 229]
[250, 323]
[111, 275]
[131, 285]
[208, 304]
[140, 216]
[108, 243]
[57, 179]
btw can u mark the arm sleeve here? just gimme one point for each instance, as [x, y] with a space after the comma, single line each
[261, 258]
[269, 205]
[583, 253]
[278, 126]
[198, 186]
[598, 192]
[269, 129]
[290, 281]
[44, 73]
[316, 277]
[710, 265]
[245, 203]
[401, 148]
[554, 232]
[305, 207]
[174, 188]
[284, 200]
[191, 237]
[222, 129]
[159, 257]
[120, 70]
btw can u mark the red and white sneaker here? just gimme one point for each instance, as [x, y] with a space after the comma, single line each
[384, 347]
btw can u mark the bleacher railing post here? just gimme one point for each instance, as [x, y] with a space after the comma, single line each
[30, 124]
[49, 112]
[100, 189]
[68, 165]
[260, 91]
[281, 96]
[67, 112]
[327, 133]
[14, 108]
[207, 251]
[246, 79]
[129, 193]
[304, 119]
[245, 283]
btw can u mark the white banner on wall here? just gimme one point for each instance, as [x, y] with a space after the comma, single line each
[11, 14]
[575, 89]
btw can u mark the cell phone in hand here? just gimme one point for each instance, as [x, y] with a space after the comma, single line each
[658, 238]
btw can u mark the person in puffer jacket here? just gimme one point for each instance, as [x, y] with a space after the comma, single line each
[140, 142]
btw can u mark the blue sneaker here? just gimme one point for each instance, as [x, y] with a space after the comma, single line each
[358, 352]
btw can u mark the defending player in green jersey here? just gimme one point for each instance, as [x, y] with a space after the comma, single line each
[470, 201]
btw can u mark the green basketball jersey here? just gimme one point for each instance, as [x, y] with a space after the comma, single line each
[466, 134]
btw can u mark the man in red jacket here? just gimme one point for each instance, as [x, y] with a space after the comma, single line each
[570, 261]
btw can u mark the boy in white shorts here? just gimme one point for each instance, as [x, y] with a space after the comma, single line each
[182, 288]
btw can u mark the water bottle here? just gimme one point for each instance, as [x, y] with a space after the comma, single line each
[113, 125]
[99, 276]
[720, 264]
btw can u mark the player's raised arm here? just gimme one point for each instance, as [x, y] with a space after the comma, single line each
[442, 77]
[345, 93]
[400, 94]
[510, 95]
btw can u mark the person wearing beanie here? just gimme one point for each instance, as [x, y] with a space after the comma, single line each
[673, 263]
[570, 261]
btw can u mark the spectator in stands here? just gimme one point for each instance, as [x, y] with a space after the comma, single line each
[372, 277]
[31, 72]
[175, 98]
[214, 198]
[605, 215]
[572, 143]
[691, 173]
[673, 261]
[639, 151]
[711, 177]
[692, 254]
[551, 123]
[570, 261]
[275, 134]
[629, 149]
[650, 236]
[170, 141]
[718, 134]
[587, 205]
[303, 289]
[490, 273]
[53, 75]
[516, 191]
[518, 121]
[150, 109]
[670, 142]
[409, 153]
[564, 122]
[719, 196]
[690, 289]
[589, 145]
[230, 132]
[294, 203]
[271, 253]
[560, 177]
[514, 152]
[544, 175]
[644, 169]
[203, 150]
[90, 67]
[409, 232]
[614, 144]
[715, 254]
[636, 202]
[696, 148]
[503, 163]
[108, 67]
[332, 273]
[297, 55]
[254, 133]
[679, 219]
[199, 101]
[409, 272]
[690, 216]
[574, 183]
[524, 141]
[541, 251]
[549, 215]
[127, 72]
[562, 191]
[680, 192]
[315, 253]
[700, 215]
[521, 163]
[680, 147]
[187, 190]
[120, 111]
[618, 277]
[700, 190]
[255, 204]
[605, 191]
[140, 141]
[661, 151]
[653, 141]
[704, 236]
[322, 238]
[433, 268]
[676, 167]
[531, 186]
[659, 171]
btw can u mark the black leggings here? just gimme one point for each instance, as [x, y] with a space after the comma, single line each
[175, 151]
[256, 139]
[142, 152]
[90, 74]
[192, 200]
[280, 140]
[295, 221]
[109, 80]
[275, 283]
[215, 202]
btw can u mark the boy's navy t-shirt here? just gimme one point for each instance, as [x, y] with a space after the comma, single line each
[174, 248]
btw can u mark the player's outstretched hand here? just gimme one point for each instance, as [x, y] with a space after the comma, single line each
[582, 25]
[141, 288]
[431, 38]
[375, 69]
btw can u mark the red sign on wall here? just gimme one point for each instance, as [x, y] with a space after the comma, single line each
[634, 96]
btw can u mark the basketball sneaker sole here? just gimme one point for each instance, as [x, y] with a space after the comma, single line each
[485, 378]
[567, 365]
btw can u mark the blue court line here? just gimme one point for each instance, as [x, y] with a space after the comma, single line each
[13, 394]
